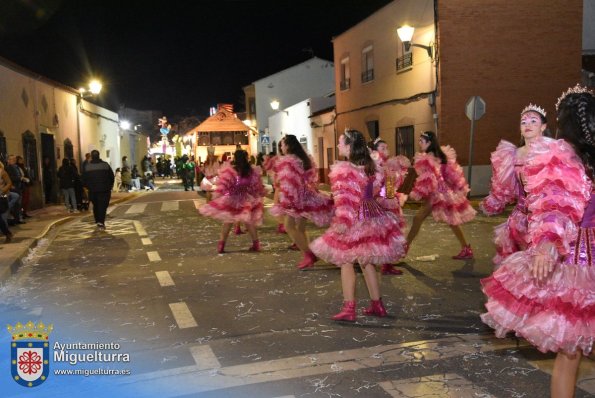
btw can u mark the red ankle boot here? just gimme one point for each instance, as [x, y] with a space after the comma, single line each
[347, 312]
[389, 269]
[281, 229]
[221, 246]
[308, 260]
[465, 254]
[255, 246]
[376, 308]
[238, 230]
[294, 247]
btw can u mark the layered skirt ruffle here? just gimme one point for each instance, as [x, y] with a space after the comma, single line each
[511, 236]
[370, 241]
[312, 205]
[556, 315]
[451, 208]
[235, 208]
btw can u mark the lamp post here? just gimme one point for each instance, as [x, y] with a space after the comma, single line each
[94, 89]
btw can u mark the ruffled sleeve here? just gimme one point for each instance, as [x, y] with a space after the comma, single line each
[453, 172]
[426, 167]
[227, 179]
[312, 174]
[347, 193]
[558, 190]
[504, 184]
[269, 163]
[289, 174]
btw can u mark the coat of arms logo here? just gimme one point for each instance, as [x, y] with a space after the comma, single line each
[29, 348]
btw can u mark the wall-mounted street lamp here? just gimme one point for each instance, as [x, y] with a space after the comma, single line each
[94, 89]
[405, 33]
[125, 125]
[275, 106]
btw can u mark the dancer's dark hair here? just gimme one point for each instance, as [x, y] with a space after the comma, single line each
[374, 144]
[241, 163]
[576, 125]
[295, 148]
[359, 153]
[434, 147]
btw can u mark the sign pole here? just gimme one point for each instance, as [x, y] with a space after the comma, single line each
[470, 168]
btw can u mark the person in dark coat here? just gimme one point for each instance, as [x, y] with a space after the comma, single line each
[67, 177]
[98, 178]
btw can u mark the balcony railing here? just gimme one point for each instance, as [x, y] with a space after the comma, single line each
[368, 76]
[405, 62]
[345, 84]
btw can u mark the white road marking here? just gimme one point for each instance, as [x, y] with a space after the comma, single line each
[164, 278]
[449, 385]
[191, 379]
[198, 203]
[182, 315]
[153, 256]
[146, 241]
[204, 357]
[170, 206]
[136, 208]
[139, 228]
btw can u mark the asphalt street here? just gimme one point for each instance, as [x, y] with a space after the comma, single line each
[195, 323]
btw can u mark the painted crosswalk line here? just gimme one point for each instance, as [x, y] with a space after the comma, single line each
[164, 278]
[140, 230]
[147, 241]
[204, 357]
[182, 315]
[154, 256]
[136, 208]
[170, 206]
[79, 230]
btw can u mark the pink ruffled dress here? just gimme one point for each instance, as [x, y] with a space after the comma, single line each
[444, 186]
[298, 192]
[397, 167]
[237, 198]
[361, 230]
[507, 187]
[557, 314]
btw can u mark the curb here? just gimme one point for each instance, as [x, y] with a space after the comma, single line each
[12, 269]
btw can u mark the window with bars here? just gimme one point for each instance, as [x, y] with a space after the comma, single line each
[30, 154]
[405, 141]
[368, 64]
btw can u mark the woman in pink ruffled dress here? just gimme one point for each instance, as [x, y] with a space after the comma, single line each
[299, 198]
[546, 293]
[508, 162]
[442, 186]
[394, 170]
[361, 230]
[238, 198]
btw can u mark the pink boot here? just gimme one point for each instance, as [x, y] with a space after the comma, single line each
[221, 246]
[308, 260]
[465, 254]
[281, 229]
[255, 246]
[389, 269]
[347, 312]
[376, 308]
[238, 230]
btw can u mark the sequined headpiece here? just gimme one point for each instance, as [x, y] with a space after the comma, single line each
[534, 108]
[425, 137]
[578, 89]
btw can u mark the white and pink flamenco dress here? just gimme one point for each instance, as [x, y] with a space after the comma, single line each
[237, 198]
[298, 192]
[361, 231]
[557, 314]
[444, 186]
[507, 187]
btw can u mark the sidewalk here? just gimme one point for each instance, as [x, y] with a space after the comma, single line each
[27, 236]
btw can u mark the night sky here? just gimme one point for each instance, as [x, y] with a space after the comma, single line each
[179, 57]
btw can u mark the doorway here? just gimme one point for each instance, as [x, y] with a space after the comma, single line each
[48, 168]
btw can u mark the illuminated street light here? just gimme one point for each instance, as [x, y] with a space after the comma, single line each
[125, 125]
[95, 87]
[275, 104]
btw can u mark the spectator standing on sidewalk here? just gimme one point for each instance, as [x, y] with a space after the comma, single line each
[5, 185]
[67, 177]
[26, 184]
[135, 178]
[18, 179]
[98, 178]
